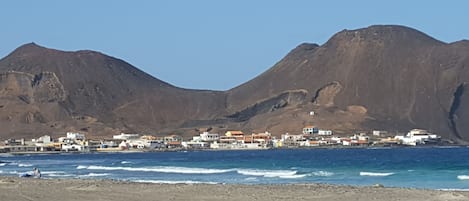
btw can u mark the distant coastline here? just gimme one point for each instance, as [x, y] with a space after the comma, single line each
[311, 137]
[215, 150]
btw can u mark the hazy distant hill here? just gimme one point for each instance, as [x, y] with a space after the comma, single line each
[381, 77]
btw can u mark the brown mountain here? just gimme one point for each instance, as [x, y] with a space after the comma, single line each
[381, 77]
[50, 91]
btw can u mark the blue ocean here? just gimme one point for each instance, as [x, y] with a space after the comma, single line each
[429, 168]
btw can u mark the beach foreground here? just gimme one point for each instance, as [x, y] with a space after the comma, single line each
[18, 189]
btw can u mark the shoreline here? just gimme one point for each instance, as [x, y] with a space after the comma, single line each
[19, 189]
[266, 149]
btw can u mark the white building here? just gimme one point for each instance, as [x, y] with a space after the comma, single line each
[324, 132]
[379, 133]
[209, 137]
[417, 136]
[310, 130]
[290, 137]
[75, 136]
[46, 139]
[124, 136]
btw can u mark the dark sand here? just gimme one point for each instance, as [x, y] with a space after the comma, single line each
[12, 189]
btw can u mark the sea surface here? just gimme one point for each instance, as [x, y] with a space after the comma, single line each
[445, 168]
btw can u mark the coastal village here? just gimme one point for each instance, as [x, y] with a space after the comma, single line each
[310, 137]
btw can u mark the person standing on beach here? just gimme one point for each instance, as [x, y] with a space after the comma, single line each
[36, 173]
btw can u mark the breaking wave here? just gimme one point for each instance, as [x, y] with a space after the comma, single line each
[81, 167]
[251, 179]
[322, 173]
[296, 176]
[284, 174]
[56, 174]
[268, 173]
[463, 177]
[95, 175]
[376, 174]
[60, 175]
[52, 172]
[163, 169]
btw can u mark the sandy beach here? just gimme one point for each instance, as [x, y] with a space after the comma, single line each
[19, 189]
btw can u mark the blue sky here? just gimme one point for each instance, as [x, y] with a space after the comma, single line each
[211, 44]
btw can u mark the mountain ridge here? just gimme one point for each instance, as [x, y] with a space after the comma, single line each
[380, 77]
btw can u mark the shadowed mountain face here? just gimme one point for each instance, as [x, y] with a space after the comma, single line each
[381, 77]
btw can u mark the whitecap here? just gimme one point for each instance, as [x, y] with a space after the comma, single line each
[52, 172]
[24, 165]
[163, 169]
[266, 173]
[251, 179]
[322, 173]
[125, 162]
[463, 177]
[296, 176]
[59, 175]
[2, 164]
[376, 174]
[55, 174]
[95, 175]
[82, 167]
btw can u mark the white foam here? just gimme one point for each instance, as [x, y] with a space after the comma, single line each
[2, 164]
[82, 167]
[24, 165]
[463, 177]
[296, 176]
[251, 179]
[52, 172]
[453, 189]
[267, 173]
[163, 169]
[95, 175]
[322, 173]
[125, 162]
[60, 175]
[174, 182]
[376, 174]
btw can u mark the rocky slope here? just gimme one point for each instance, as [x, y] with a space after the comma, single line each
[381, 77]
[398, 77]
[91, 92]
